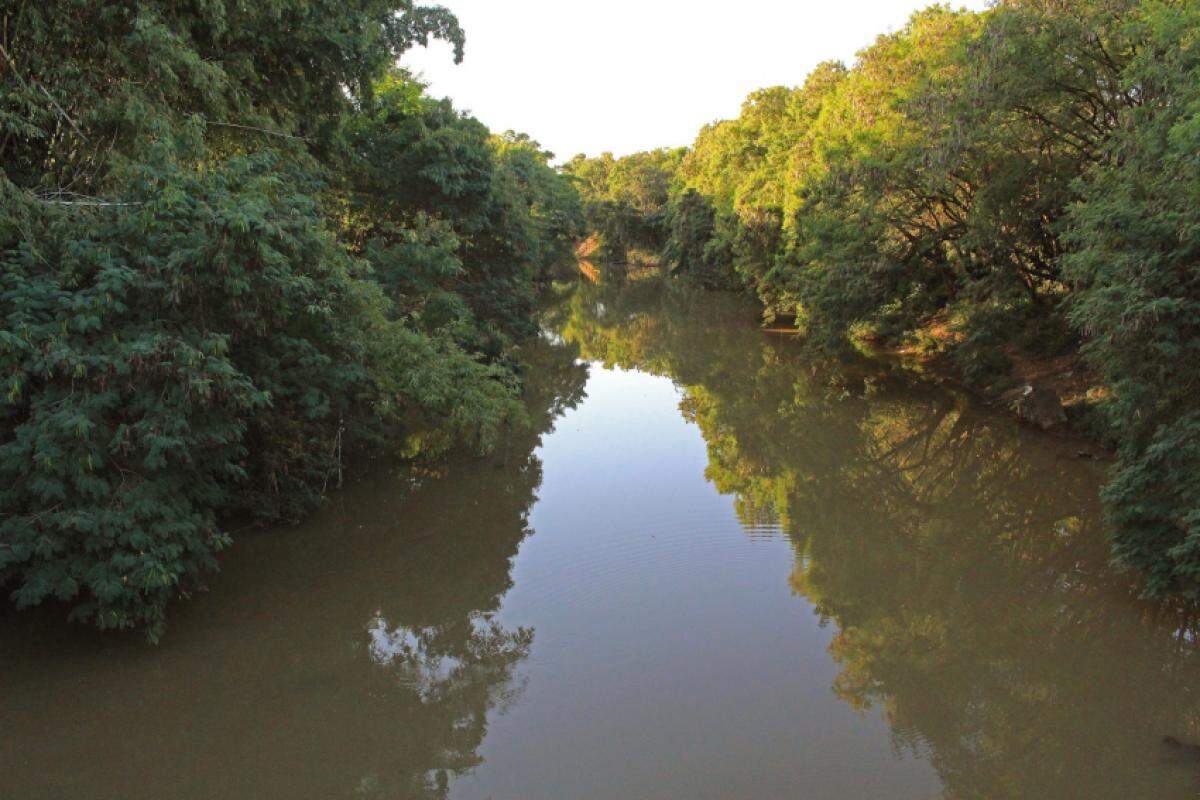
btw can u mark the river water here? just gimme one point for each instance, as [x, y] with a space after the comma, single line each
[714, 568]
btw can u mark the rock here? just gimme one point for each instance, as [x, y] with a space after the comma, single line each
[1038, 406]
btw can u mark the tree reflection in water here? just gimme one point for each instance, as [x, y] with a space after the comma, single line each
[355, 656]
[961, 559]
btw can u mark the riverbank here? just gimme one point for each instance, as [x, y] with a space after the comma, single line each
[1060, 394]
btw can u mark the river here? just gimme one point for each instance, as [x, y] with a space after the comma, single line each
[714, 567]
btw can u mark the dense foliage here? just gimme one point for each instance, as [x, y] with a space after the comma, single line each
[1021, 181]
[395, 590]
[625, 201]
[1135, 265]
[238, 246]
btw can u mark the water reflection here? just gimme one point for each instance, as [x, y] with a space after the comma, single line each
[960, 558]
[356, 656]
[956, 562]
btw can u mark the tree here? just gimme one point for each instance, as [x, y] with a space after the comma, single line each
[1135, 265]
[237, 250]
[625, 200]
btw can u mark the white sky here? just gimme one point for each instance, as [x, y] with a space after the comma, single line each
[629, 75]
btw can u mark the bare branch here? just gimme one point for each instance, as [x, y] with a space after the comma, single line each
[45, 91]
[259, 130]
[56, 198]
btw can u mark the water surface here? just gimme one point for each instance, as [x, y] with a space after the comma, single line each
[716, 568]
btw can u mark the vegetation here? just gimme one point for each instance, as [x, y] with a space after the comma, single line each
[625, 200]
[1020, 179]
[240, 246]
[237, 247]
[395, 589]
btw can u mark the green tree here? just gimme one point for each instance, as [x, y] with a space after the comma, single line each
[1137, 299]
[238, 249]
[625, 200]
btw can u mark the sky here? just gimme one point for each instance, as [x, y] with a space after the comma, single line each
[630, 75]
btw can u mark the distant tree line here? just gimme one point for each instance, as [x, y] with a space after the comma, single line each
[1025, 177]
[238, 247]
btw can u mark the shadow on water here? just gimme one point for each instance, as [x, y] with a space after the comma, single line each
[354, 656]
[960, 557]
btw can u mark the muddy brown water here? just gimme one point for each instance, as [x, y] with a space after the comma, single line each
[717, 568]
